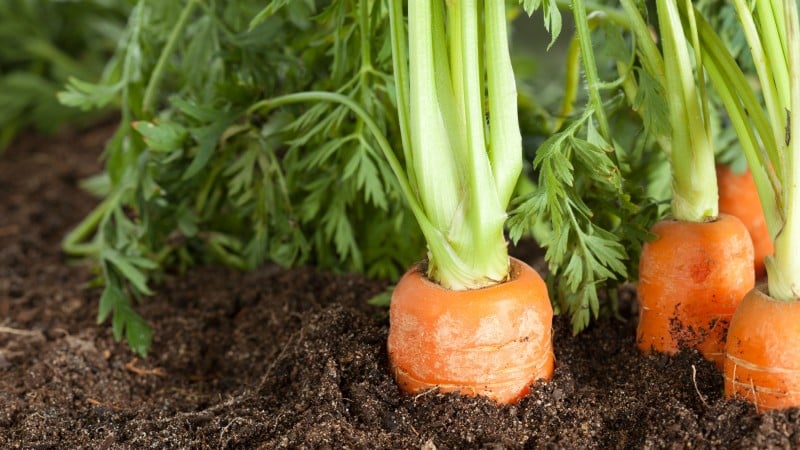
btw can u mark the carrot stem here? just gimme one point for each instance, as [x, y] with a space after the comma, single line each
[694, 183]
[157, 76]
[783, 270]
[590, 67]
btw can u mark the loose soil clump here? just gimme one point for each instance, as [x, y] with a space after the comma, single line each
[295, 358]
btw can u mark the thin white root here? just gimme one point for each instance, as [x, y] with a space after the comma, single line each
[696, 389]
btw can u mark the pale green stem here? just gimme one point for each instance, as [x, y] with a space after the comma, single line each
[776, 108]
[400, 64]
[772, 27]
[73, 243]
[783, 270]
[364, 30]
[448, 88]
[763, 155]
[589, 67]
[434, 165]
[651, 57]
[612, 13]
[748, 120]
[456, 56]
[157, 76]
[572, 78]
[701, 81]
[694, 184]
[480, 239]
[505, 138]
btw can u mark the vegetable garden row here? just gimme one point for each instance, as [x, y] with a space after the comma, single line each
[389, 137]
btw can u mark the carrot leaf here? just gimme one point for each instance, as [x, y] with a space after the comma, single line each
[197, 173]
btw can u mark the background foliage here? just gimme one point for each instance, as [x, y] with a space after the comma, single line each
[44, 42]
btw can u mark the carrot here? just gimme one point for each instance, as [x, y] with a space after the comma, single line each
[738, 197]
[762, 362]
[691, 278]
[495, 341]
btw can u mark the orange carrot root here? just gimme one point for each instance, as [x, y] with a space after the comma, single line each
[691, 278]
[493, 342]
[762, 361]
[738, 197]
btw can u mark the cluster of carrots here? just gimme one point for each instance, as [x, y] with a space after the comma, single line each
[696, 275]
[696, 290]
[496, 341]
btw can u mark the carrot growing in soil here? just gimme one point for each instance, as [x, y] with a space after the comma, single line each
[469, 319]
[738, 197]
[762, 363]
[692, 276]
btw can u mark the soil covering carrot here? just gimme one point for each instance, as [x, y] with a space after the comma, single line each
[738, 197]
[494, 341]
[691, 278]
[763, 359]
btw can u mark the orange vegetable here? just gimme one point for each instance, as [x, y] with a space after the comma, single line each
[762, 362]
[738, 197]
[691, 278]
[495, 341]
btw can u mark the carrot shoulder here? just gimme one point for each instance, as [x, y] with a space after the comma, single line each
[738, 197]
[495, 341]
[691, 278]
[762, 361]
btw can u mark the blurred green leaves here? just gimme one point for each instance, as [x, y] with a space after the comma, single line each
[44, 43]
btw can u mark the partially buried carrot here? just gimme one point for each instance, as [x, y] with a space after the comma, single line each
[762, 361]
[691, 278]
[495, 341]
[738, 197]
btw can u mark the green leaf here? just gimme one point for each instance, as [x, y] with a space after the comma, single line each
[127, 267]
[573, 272]
[207, 138]
[138, 334]
[162, 137]
[552, 16]
[118, 321]
[87, 96]
[651, 102]
[187, 223]
[110, 300]
[608, 252]
[267, 12]
[126, 322]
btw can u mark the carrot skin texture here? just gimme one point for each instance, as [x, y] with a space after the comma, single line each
[691, 278]
[495, 341]
[738, 197]
[762, 361]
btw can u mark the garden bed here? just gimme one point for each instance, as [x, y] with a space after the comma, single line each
[295, 358]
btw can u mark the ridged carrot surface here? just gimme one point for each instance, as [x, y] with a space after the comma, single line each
[691, 278]
[738, 197]
[762, 361]
[493, 342]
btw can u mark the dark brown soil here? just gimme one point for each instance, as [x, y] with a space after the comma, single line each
[294, 358]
